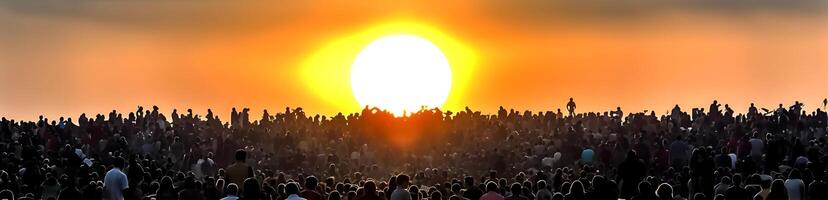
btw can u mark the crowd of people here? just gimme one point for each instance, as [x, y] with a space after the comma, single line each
[698, 154]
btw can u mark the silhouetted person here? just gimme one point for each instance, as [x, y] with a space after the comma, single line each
[253, 191]
[777, 191]
[334, 195]
[370, 191]
[70, 192]
[794, 185]
[166, 189]
[824, 103]
[723, 160]
[714, 113]
[190, 190]
[115, 181]
[736, 191]
[570, 107]
[543, 191]
[679, 152]
[723, 185]
[232, 192]
[664, 192]
[631, 172]
[436, 195]
[492, 192]
[516, 192]
[645, 192]
[6, 195]
[239, 170]
[472, 191]
[401, 193]
[309, 192]
[576, 191]
[291, 189]
[557, 196]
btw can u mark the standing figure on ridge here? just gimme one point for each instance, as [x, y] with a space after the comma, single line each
[571, 107]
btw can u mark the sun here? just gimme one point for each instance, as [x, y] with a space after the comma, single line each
[430, 67]
[401, 73]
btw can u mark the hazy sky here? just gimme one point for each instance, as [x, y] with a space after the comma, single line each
[65, 58]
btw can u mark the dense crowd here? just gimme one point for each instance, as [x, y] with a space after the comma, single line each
[700, 154]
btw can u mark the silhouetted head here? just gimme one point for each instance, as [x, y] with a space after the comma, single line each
[455, 188]
[491, 186]
[403, 180]
[252, 189]
[241, 155]
[778, 187]
[436, 195]
[644, 187]
[516, 189]
[334, 195]
[737, 179]
[370, 187]
[311, 182]
[469, 181]
[292, 188]
[577, 188]
[414, 191]
[557, 196]
[541, 184]
[6, 194]
[664, 191]
[119, 163]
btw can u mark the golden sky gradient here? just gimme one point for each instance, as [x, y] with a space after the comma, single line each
[59, 58]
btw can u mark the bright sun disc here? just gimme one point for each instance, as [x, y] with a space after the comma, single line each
[401, 73]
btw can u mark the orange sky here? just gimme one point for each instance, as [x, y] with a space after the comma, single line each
[65, 59]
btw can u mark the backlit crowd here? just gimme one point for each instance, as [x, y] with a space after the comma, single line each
[712, 153]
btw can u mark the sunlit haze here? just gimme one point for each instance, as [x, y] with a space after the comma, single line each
[401, 73]
[92, 57]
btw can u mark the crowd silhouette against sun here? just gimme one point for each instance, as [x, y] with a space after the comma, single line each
[414, 100]
[688, 153]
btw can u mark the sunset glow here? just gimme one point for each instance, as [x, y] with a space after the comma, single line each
[414, 99]
[329, 75]
[401, 73]
[527, 55]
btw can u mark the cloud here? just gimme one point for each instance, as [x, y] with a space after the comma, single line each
[610, 10]
[168, 15]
